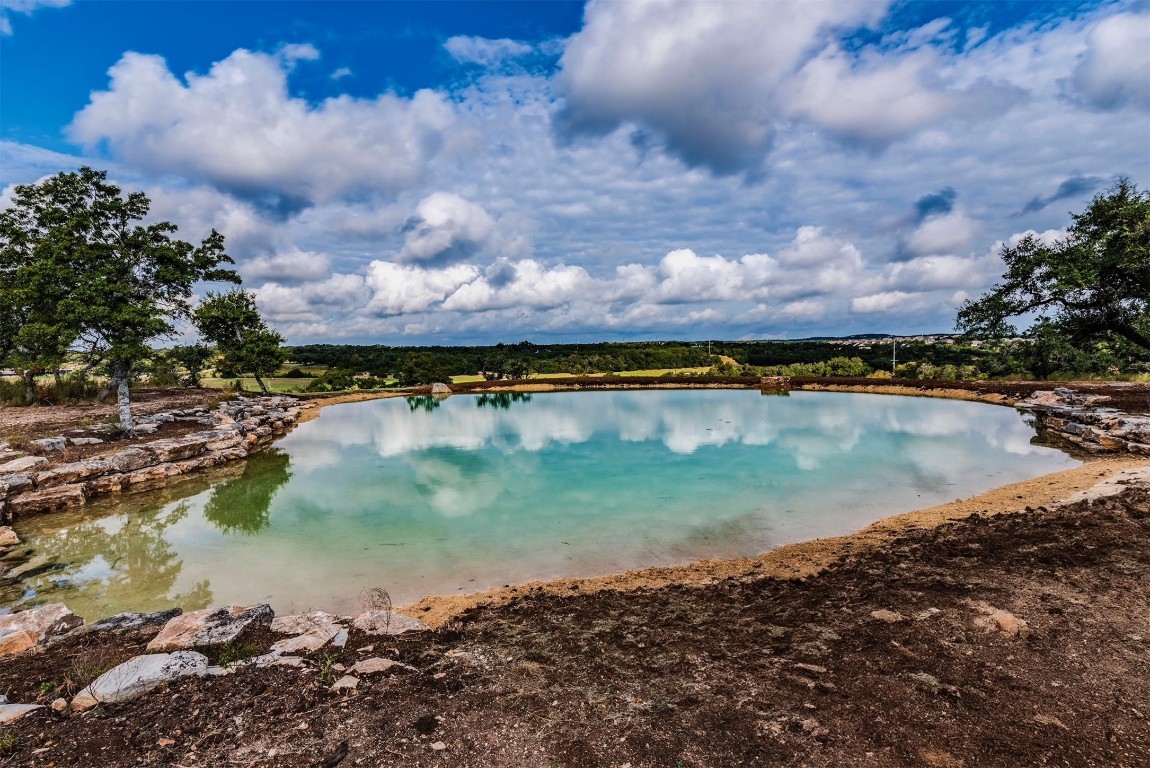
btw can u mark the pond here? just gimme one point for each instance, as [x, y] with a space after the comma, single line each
[427, 496]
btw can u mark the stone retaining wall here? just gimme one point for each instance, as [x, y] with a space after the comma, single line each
[1084, 421]
[29, 485]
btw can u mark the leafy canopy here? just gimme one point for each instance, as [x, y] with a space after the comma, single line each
[232, 322]
[78, 267]
[1089, 287]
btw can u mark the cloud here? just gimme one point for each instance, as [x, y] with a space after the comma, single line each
[446, 228]
[26, 7]
[341, 73]
[714, 83]
[238, 129]
[1115, 70]
[292, 266]
[1074, 187]
[875, 98]
[880, 302]
[485, 52]
[702, 77]
[941, 234]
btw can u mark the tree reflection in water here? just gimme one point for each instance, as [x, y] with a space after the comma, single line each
[427, 403]
[131, 564]
[243, 505]
[501, 400]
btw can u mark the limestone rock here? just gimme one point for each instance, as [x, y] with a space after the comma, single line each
[8, 537]
[59, 705]
[10, 713]
[128, 622]
[60, 497]
[21, 465]
[211, 626]
[139, 675]
[311, 631]
[387, 623]
[345, 683]
[49, 444]
[85, 440]
[26, 629]
[66, 474]
[146, 429]
[376, 665]
[131, 459]
[439, 388]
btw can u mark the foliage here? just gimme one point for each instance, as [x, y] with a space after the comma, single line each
[332, 381]
[296, 373]
[80, 271]
[193, 357]
[422, 368]
[233, 323]
[1087, 289]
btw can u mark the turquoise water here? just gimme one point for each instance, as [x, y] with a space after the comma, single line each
[431, 496]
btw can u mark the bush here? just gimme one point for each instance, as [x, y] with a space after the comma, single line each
[296, 373]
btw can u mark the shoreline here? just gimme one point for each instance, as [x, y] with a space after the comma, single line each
[798, 560]
[803, 559]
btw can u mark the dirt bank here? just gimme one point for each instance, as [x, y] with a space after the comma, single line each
[995, 640]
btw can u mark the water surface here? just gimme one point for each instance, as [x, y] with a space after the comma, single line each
[429, 496]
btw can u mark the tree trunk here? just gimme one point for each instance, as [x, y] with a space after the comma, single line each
[56, 373]
[29, 386]
[123, 400]
[260, 381]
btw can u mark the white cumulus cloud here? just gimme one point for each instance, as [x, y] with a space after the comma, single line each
[238, 128]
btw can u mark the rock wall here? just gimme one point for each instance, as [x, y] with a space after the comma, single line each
[30, 485]
[1086, 422]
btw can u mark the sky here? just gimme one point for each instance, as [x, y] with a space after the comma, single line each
[475, 172]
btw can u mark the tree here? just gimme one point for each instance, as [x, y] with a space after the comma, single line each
[89, 277]
[193, 357]
[1090, 287]
[422, 368]
[233, 323]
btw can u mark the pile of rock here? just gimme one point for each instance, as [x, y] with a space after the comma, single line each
[29, 484]
[1085, 421]
[175, 648]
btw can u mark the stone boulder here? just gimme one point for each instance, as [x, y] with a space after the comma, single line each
[387, 623]
[123, 623]
[8, 537]
[49, 444]
[22, 465]
[10, 713]
[139, 675]
[439, 388]
[211, 626]
[311, 631]
[27, 629]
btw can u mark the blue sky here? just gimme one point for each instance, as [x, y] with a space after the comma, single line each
[477, 171]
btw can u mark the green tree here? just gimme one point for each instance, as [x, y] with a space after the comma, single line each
[1089, 287]
[85, 274]
[193, 357]
[232, 321]
[422, 368]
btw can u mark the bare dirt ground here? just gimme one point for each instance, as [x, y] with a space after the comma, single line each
[19, 424]
[1019, 640]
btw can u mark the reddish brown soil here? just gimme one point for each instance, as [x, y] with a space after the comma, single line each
[747, 671]
[19, 424]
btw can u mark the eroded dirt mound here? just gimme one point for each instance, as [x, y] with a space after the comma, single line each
[1017, 640]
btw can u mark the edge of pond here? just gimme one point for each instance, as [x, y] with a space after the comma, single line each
[1097, 475]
